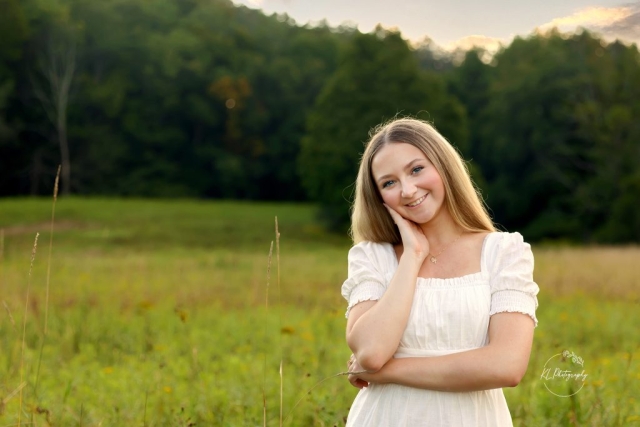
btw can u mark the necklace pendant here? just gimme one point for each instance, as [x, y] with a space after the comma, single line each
[433, 259]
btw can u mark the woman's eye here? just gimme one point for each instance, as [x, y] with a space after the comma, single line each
[387, 184]
[416, 169]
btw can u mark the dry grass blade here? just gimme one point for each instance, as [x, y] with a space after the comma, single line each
[13, 322]
[266, 323]
[144, 418]
[46, 304]
[280, 319]
[13, 393]
[24, 324]
[10, 396]
[281, 390]
[53, 214]
[1, 259]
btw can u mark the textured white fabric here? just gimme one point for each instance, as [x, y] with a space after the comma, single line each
[447, 316]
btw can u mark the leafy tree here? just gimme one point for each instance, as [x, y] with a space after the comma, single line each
[210, 99]
[378, 79]
[555, 135]
[14, 31]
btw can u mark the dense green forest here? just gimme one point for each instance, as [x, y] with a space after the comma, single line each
[195, 98]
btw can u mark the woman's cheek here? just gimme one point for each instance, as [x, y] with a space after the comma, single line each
[390, 197]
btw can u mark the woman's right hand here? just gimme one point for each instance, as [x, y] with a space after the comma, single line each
[355, 369]
[413, 239]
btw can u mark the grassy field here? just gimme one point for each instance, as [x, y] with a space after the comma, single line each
[157, 315]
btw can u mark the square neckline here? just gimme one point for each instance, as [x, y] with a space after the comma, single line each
[457, 279]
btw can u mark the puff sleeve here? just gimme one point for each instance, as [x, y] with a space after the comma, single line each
[365, 280]
[512, 285]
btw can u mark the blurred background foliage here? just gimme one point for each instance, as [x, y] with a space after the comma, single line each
[206, 99]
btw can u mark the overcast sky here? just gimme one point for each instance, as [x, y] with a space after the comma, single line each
[452, 23]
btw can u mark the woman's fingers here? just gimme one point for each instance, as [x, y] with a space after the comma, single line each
[411, 235]
[397, 218]
[357, 382]
[404, 225]
[354, 366]
[352, 363]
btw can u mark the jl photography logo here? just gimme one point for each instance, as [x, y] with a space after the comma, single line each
[564, 374]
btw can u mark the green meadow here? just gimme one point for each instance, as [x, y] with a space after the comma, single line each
[174, 313]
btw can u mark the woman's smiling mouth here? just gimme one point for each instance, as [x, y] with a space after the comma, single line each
[417, 202]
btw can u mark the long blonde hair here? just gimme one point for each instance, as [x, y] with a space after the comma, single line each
[369, 218]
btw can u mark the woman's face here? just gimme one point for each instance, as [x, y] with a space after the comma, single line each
[408, 182]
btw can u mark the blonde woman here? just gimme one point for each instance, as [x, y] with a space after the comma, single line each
[441, 307]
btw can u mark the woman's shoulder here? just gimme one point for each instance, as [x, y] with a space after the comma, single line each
[380, 254]
[502, 249]
[371, 248]
[501, 240]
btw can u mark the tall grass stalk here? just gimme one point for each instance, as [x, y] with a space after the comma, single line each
[24, 324]
[279, 318]
[1, 249]
[13, 322]
[12, 394]
[53, 215]
[46, 301]
[144, 416]
[308, 392]
[266, 330]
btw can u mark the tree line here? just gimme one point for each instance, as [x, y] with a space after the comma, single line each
[197, 98]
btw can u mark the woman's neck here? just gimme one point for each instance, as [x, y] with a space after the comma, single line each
[441, 230]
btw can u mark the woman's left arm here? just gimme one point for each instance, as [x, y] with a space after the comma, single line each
[501, 363]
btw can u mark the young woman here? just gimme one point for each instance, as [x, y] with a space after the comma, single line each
[441, 307]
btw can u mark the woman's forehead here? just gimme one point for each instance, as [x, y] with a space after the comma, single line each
[396, 154]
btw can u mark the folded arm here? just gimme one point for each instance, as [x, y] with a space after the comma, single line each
[501, 363]
[374, 328]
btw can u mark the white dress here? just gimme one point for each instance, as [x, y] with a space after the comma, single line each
[447, 316]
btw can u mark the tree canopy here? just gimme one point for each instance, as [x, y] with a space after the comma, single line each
[208, 99]
[377, 80]
[554, 135]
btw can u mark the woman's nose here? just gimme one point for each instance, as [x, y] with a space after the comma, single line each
[408, 189]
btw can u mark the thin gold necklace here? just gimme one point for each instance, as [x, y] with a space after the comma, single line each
[434, 258]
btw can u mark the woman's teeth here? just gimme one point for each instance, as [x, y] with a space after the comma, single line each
[417, 202]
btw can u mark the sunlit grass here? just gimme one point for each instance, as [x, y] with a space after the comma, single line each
[157, 317]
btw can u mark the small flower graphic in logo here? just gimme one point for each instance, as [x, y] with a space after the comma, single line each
[574, 357]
